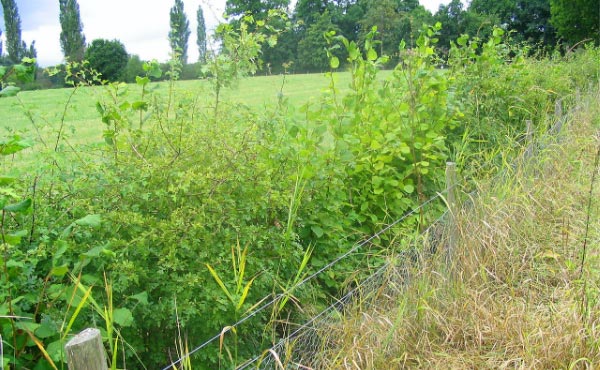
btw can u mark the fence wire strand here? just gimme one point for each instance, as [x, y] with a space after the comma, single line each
[340, 303]
[357, 246]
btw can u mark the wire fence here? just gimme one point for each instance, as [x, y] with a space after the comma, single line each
[305, 340]
[270, 301]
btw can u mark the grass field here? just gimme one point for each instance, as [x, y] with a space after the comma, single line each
[46, 107]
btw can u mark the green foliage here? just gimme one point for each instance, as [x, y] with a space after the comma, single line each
[107, 57]
[576, 20]
[257, 8]
[529, 19]
[180, 31]
[201, 35]
[311, 48]
[72, 40]
[21, 73]
[133, 69]
[12, 23]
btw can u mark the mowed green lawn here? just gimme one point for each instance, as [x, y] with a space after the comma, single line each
[43, 110]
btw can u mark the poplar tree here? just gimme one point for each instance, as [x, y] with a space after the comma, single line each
[180, 31]
[12, 23]
[201, 36]
[72, 40]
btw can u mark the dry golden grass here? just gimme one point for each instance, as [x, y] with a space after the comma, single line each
[515, 296]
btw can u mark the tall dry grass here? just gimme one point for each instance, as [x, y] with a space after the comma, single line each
[516, 295]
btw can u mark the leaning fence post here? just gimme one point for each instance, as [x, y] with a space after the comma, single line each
[451, 199]
[86, 352]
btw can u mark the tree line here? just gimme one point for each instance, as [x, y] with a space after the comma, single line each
[300, 46]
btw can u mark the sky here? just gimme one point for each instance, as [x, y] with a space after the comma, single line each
[141, 25]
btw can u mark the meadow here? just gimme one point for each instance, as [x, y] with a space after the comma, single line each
[81, 115]
[162, 213]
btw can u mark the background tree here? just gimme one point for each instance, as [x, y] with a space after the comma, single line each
[72, 40]
[107, 57]
[201, 35]
[180, 31]
[576, 20]
[12, 23]
[311, 52]
[258, 8]
[530, 19]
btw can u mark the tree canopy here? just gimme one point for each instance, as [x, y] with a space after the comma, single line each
[107, 57]
[576, 20]
[72, 40]
[180, 31]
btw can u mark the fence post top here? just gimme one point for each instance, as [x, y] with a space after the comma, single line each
[83, 336]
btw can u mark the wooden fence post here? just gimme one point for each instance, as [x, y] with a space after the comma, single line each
[451, 198]
[86, 352]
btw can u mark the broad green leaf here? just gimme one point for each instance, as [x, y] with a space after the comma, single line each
[46, 329]
[89, 220]
[9, 91]
[14, 238]
[123, 317]
[55, 351]
[59, 271]
[409, 188]
[94, 252]
[142, 297]
[371, 55]
[140, 105]
[142, 81]
[317, 230]
[18, 207]
[14, 145]
[6, 180]
[353, 52]
[334, 62]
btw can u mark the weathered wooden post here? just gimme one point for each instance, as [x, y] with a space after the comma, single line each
[86, 352]
[452, 209]
[558, 115]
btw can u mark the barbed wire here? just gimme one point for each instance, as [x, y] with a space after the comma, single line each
[356, 246]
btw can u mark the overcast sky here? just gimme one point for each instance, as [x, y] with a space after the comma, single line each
[142, 25]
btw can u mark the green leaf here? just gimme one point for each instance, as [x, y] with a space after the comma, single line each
[14, 144]
[140, 105]
[353, 52]
[142, 297]
[372, 55]
[9, 91]
[46, 329]
[55, 351]
[89, 220]
[122, 317]
[409, 188]
[6, 180]
[60, 271]
[317, 230]
[18, 207]
[142, 81]
[334, 62]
